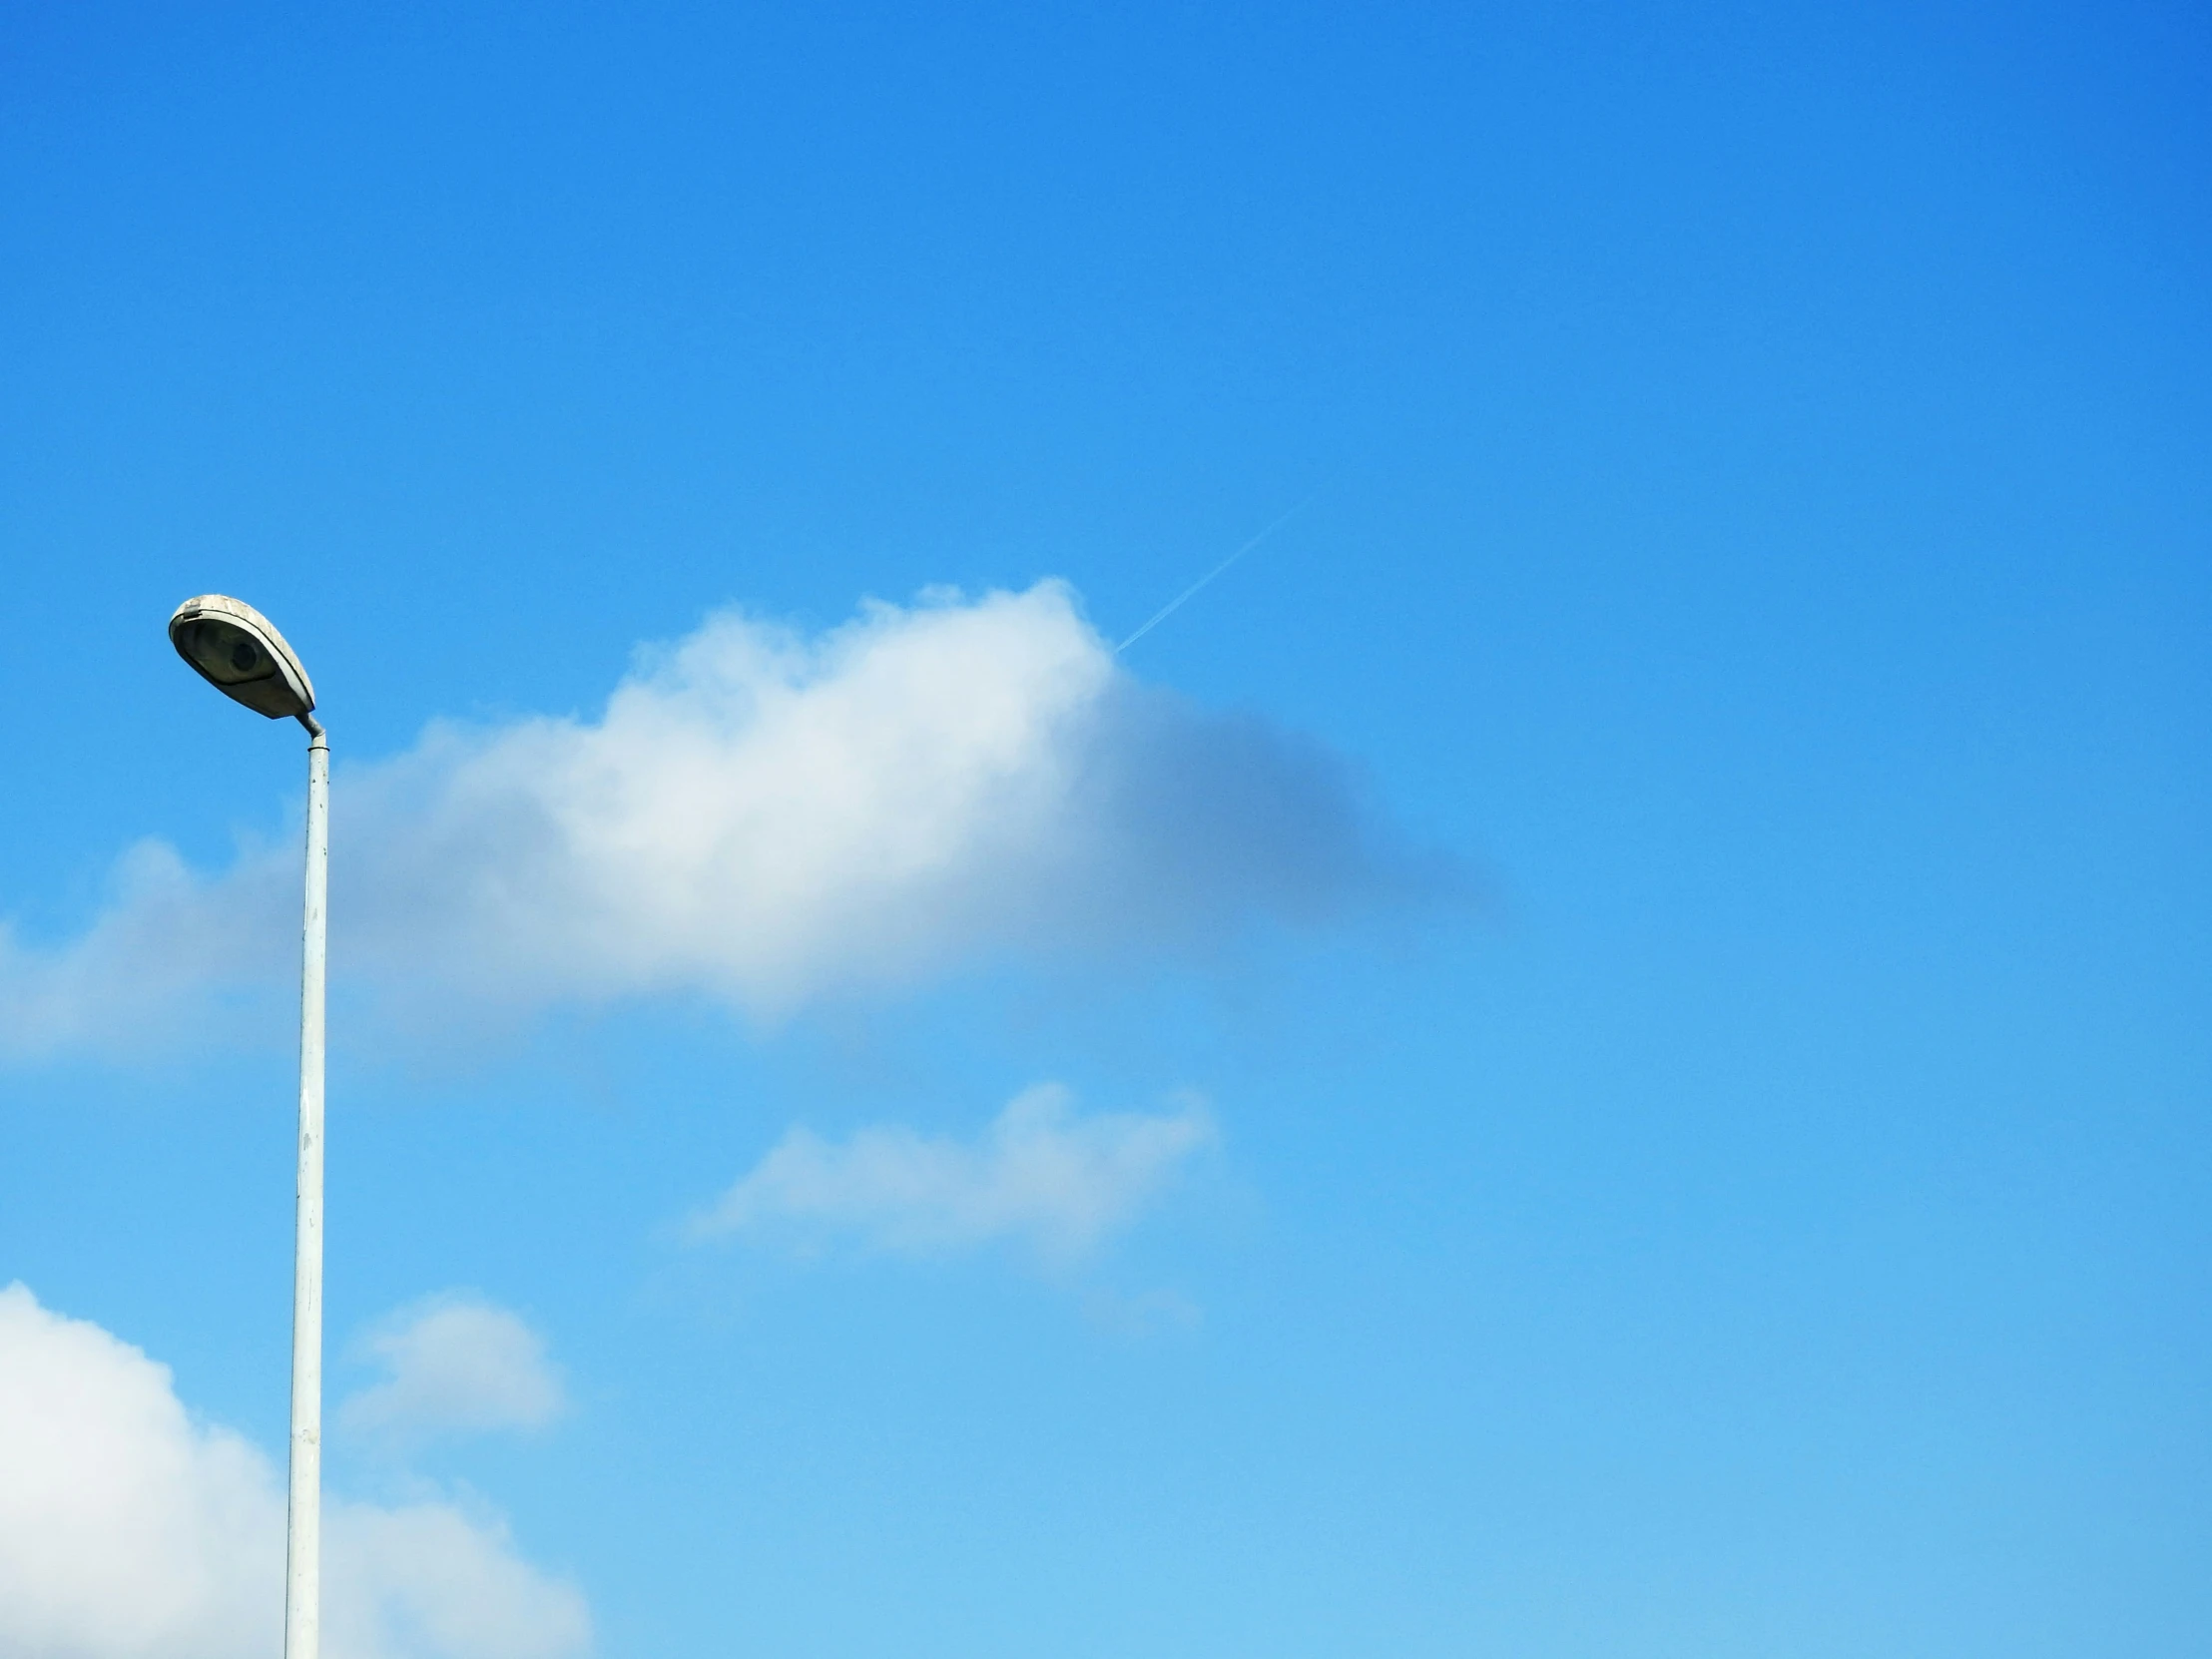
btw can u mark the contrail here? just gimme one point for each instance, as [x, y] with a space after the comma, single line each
[1173, 605]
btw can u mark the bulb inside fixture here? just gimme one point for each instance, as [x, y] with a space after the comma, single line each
[227, 653]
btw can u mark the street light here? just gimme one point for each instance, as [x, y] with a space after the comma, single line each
[237, 650]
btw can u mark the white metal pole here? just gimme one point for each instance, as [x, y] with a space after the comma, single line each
[304, 1534]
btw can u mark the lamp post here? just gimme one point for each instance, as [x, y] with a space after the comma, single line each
[237, 650]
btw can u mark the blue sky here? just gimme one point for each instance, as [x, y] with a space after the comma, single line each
[1598, 1049]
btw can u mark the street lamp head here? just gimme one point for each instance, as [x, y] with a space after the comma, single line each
[237, 650]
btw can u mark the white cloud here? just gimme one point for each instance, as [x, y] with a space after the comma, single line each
[454, 1363]
[1041, 1174]
[128, 1530]
[428, 1579]
[764, 817]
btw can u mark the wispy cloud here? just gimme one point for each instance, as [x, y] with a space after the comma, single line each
[765, 817]
[1146, 1313]
[453, 1364]
[128, 1530]
[1042, 1175]
[171, 950]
